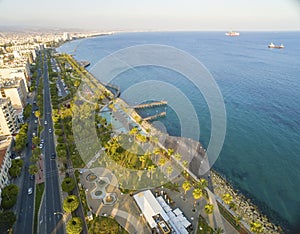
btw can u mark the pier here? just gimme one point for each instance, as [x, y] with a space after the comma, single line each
[152, 117]
[151, 104]
[112, 87]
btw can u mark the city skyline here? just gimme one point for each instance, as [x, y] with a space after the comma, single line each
[117, 15]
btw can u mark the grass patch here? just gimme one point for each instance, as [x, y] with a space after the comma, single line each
[38, 198]
[172, 186]
[203, 227]
[105, 225]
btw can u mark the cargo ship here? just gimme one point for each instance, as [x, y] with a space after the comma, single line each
[271, 45]
[232, 34]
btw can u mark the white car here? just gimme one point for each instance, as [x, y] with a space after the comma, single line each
[41, 146]
[29, 191]
[45, 122]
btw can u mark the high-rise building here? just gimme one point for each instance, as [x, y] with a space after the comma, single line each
[8, 119]
[66, 36]
[5, 161]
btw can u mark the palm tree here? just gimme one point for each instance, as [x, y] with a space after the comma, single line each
[237, 220]
[142, 159]
[256, 227]
[38, 115]
[170, 151]
[177, 156]
[33, 169]
[227, 198]
[219, 230]
[169, 170]
[186, 187]
[197, 194]
[209, 208]
[162, 161]
[151, 169]
[201, 184]
[156, 151]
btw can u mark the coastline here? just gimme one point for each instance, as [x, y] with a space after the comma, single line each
[244, 207]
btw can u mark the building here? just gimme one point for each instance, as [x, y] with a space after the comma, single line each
[8, 119]
[66, 36]
[14, 89]
[15, 73]
[5, 161]
[159, 216]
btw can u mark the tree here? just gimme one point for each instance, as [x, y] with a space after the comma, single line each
[74, 226]
[151, 169]
[256, 227]
[37, 114]
[237, 220]
[36, 140]
[9, 196]
[33, 169]
[7, 220]
[209, 208]
[227, 198]
[219, 230]
[162, 161]
[186, 187]
[68, 184]
[16, 168]
[197, 194]
[177, 156]
[201, 184]
[142, 159]
[169, 170]
[71, 203]
[170, 152]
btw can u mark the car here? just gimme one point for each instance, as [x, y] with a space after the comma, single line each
[50, 130]
[35, 121]
[46, 122]
[53, 156]
[29, 191]
[32, 177]
[41, 146]
[42, 141]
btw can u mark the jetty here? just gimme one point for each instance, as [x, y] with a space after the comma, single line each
[151, 104]
[113, 88]
[152, 117]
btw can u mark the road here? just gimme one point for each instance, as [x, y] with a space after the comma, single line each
[50, 217]
[25, 204]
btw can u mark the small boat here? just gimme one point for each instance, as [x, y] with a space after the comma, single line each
[271, 45]
[232, 34]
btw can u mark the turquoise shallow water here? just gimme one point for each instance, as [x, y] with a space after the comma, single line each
[261, 89]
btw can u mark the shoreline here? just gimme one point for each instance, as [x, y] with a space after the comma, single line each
[244, 207]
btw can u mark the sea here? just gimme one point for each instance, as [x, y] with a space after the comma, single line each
[260, 86]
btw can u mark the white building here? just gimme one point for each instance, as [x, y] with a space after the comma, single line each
[66, 36]
[14, 89]
[8, 119]
[159, 216]
[5, 161]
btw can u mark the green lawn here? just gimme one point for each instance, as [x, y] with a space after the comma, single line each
[38, 198]
[105, 225]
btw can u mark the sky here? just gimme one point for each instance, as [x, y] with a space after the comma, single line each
[113, 15]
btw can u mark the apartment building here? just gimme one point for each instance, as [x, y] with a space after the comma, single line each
[8, 119]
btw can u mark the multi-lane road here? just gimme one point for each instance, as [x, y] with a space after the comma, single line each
[50, 217]
[25, 205]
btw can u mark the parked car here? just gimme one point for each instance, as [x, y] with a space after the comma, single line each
[46, 122]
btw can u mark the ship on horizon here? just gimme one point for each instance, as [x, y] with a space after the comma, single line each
[232, 34]
[271, 45]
